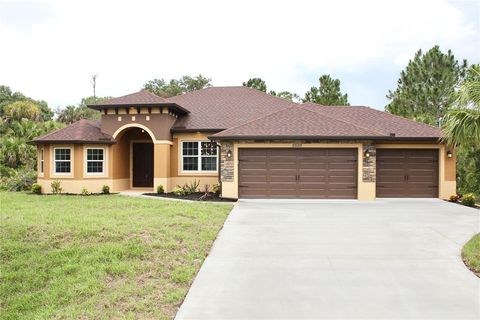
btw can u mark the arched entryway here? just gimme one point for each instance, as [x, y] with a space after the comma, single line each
[133, 157]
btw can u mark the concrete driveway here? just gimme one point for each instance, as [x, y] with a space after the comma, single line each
[389, 259]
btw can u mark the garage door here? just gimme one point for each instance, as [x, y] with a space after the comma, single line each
[410, 173]
[298, 173]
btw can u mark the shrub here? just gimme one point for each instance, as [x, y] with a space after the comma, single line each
[160, 189]
[56, 186]
[454, 198]
[20, 180]
[178, 191]
[217, 189]
[105, 189]
[469, 200]
[192, 187]
[36, 188]
[84, 192]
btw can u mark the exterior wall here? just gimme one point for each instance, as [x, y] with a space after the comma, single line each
[366, 178]
[159, 124]
[78, 178]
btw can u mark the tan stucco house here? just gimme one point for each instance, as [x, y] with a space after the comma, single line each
[254, 144]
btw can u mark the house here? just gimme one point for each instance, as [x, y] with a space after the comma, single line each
[254, 144]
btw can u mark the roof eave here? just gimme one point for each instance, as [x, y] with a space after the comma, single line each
[72, 141]
[186, 130]
[300, 137]
[104, 106]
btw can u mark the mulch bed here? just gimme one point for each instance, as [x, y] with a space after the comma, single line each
[459, 203]
[193, 196]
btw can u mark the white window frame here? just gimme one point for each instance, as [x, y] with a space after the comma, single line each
[41, 163]
[55, 162]
[198, 156]
[104, 163]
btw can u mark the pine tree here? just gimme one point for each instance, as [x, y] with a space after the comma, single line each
[328, 93]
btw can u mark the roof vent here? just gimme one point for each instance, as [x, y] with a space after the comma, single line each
[392, 134]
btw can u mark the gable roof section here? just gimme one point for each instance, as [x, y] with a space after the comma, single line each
[312, 121]
[219, 108]
[141, 98]
[82, 131]
[380, 121]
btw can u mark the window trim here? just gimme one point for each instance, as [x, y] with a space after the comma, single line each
[199, 157]
[55, 161]
[104, 161]
[41, 162]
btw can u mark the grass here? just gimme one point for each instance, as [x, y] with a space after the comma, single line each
[471, 254]
[100, 257]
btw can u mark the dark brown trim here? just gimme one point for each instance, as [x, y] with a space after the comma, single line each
[71, 141]
[186, 130]
[386, 138]
[125, 105]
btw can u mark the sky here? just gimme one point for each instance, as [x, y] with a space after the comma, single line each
[50, 49]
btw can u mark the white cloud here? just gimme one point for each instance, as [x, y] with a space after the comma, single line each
[129, 42]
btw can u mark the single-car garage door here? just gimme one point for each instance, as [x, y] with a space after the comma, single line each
[407, 173]
[297, 173]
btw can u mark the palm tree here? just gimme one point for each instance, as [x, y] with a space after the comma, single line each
[462, 123]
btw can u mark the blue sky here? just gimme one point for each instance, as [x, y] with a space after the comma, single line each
[53, 47]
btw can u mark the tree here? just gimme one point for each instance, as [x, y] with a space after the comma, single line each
[328, 93]
[461, 128]
[73, 113]
[22, 109]
[176, 87]
[256, 83]
[425, 89]
[7, 97]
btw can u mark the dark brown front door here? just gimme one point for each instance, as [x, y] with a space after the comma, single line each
[407, 173]
[142, 165]
[298, 173]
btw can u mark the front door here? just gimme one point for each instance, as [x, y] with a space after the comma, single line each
[142, 165]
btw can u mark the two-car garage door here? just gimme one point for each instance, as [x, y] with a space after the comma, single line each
[298, 173]
[331, 173]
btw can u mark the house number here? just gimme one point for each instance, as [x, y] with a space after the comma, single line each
[296, 144]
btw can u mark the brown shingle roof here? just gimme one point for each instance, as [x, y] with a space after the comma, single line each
[312, 121]
[82, 131]
[219, 108]
[382, 122]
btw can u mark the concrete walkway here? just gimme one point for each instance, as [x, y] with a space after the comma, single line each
[389, 259]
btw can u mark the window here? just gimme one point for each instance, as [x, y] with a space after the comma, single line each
[41, 161]
[62, 160]
[199, 156]
[95, 160]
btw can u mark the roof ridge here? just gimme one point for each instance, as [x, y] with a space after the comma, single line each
[352, 124]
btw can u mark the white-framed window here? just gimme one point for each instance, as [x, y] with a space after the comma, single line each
[199, 156]
[41, 164]
[62, 160]
[95, 161]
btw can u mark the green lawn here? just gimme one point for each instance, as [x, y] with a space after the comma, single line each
[471, 254]
[101, 257]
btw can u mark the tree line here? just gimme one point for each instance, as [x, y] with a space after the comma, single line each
[434, 88]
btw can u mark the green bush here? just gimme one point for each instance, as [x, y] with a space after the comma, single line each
[192, 187]
[56, 186]
[217, 189]
[468, 200]
[84, 192]
[160, 189]
[179, 191]
[36, 188]
[105, 189]
[20, 180]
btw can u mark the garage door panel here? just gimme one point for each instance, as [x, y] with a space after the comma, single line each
[407, 173]
[322, 173]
